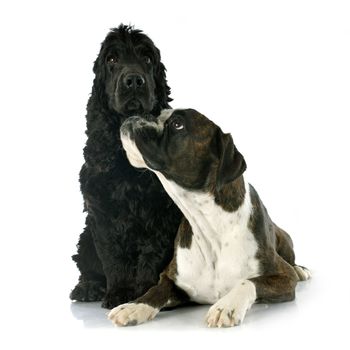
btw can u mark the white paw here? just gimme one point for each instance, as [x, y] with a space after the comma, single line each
[303, 273]
[132, 314]
[231, 309]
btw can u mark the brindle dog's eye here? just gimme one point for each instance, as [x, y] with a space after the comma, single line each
[177, 124]
[112, 59]
[147, 59]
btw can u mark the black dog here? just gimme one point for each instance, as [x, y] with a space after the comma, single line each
[131, 221]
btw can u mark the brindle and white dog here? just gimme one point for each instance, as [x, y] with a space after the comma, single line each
[228, 252]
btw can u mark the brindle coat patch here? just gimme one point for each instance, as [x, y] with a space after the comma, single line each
[231, 196]
[278, 279]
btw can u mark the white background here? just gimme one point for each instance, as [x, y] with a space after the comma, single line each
[274, 73]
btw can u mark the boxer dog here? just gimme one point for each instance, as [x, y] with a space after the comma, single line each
[228, 252]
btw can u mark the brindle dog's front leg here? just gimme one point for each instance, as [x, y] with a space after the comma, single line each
[164, 294]
[277, 286]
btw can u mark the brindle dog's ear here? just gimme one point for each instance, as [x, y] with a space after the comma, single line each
[231, 162]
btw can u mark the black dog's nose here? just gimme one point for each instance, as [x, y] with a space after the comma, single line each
[133, 81]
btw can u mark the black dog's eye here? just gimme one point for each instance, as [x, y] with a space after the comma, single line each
[147, 59]
[177, 124]
[112, 59]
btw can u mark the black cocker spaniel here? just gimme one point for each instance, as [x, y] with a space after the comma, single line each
[131, 222]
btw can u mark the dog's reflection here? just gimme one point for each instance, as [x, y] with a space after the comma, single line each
[92, 315]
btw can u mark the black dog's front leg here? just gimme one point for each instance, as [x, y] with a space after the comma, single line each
[105, 272]
[117, 263]
[121, 286]
[164, 294]
[92, 280]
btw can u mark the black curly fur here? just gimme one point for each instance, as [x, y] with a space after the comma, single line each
[131, 222]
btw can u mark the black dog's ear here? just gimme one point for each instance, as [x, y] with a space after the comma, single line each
[231, 162]
[98, 89]
[162, 87]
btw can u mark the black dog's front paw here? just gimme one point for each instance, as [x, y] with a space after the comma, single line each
[115, 298]
[88, 291]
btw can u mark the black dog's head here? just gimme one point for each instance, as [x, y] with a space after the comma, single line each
[130, 78]
[185, 146]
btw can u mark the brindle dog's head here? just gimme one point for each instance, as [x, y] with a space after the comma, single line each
[185, 146]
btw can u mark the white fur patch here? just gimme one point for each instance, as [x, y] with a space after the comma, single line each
[165, 114]
[132, 314]
[133, 154]
[223, 249]
[231, 309]
[303, 273]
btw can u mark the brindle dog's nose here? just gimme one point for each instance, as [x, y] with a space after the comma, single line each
[133, 81]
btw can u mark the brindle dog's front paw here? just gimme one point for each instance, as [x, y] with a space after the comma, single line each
[132, 314]
[223, 317]
[231, 309]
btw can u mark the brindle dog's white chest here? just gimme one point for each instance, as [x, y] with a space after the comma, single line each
[222, 250]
